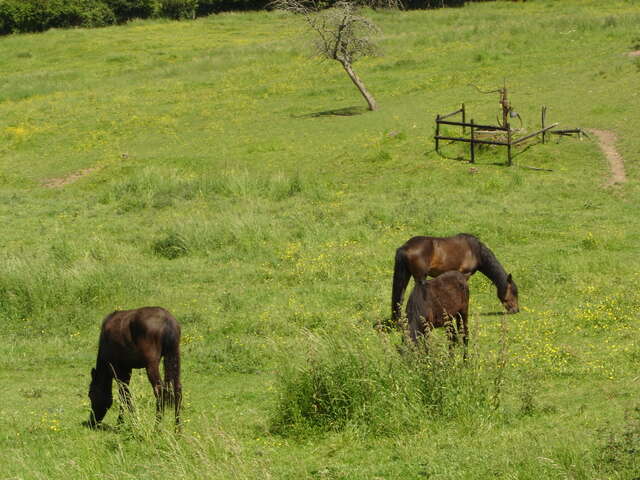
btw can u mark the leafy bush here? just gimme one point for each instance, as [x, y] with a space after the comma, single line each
[40, 15]
[97, 14]
[178, 9]
[128, 9]
[206, 7]
[421, 4]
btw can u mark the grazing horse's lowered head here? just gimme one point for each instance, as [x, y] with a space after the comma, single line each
[508, 295]
[100, 396]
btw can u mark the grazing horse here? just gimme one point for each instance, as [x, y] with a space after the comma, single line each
[422, 256]
[436, 303]
[136, 339]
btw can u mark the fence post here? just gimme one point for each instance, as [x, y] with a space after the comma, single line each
[437, 132]
[473, 157]
[544, 133]
[464, 116]
[508, 144]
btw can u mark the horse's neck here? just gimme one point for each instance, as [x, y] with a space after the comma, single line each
[104, 371]
[494, 271]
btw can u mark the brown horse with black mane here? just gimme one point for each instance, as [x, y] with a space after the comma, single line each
[136, 339]
[423, 256]
[438, 303]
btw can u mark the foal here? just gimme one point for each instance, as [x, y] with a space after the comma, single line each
[435, 303]
[136, 339]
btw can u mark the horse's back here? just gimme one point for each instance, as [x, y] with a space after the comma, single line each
[449, 294]
[435, 255]
[451, 283]
[134, 336]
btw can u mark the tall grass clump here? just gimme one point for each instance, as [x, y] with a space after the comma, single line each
[620, 453]
[351, 378]
[172, 245]
[36, 294]
[356, 378]
[453, 390]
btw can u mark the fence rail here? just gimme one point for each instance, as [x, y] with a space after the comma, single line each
[474, 127]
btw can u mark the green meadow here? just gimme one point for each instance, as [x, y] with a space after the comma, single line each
[216, 168]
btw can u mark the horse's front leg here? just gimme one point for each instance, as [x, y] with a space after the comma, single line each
[153, 374]
[123, 377]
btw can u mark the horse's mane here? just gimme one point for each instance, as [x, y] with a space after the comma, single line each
[490, 266]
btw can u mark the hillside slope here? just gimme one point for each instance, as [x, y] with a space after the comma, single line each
[200, 166]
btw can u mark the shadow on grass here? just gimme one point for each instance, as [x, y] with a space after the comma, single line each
[495, 163]
[102, 427]
[338, 112]
[493, 314]
[448, 157]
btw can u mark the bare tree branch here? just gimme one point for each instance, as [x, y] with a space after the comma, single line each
[341, 33]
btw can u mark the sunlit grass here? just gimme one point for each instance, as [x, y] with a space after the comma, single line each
[223, 193]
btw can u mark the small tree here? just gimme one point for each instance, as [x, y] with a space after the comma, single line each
[341, 33]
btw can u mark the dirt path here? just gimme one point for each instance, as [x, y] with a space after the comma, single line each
[607, 142]
[635, 53]
[72, 177]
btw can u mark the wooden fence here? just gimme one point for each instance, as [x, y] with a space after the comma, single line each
[511, 141]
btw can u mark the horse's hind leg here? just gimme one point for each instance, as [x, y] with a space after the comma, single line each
[123, 377]
[465, 333]
[177, 399]
[153, 374]
[452, 334]
[173, 388]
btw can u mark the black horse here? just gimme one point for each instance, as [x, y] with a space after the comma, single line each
[136, 339]
[422, 256]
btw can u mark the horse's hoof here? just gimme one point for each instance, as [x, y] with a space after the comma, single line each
[90, 424]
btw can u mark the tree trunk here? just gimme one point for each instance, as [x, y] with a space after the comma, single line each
[358, 83]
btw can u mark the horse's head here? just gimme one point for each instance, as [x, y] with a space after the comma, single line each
[509, 296]
[100, 396]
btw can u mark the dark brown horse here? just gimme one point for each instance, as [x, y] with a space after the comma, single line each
[422, 256]
[438, 303]
[136, 339]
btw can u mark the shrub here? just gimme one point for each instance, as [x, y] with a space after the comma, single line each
[128, 9]
[420, 4]
[206, 7]
[97, 14]
[39, 15]
[178, 9]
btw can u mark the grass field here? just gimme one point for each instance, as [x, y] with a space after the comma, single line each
[220, 188]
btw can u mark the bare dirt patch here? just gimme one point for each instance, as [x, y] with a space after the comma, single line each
[607, 142]
[635, 53]
[62, 181]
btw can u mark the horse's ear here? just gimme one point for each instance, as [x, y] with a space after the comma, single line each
[509, 279]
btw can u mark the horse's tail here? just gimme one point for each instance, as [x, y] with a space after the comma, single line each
[401, 276]
[171, 356]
